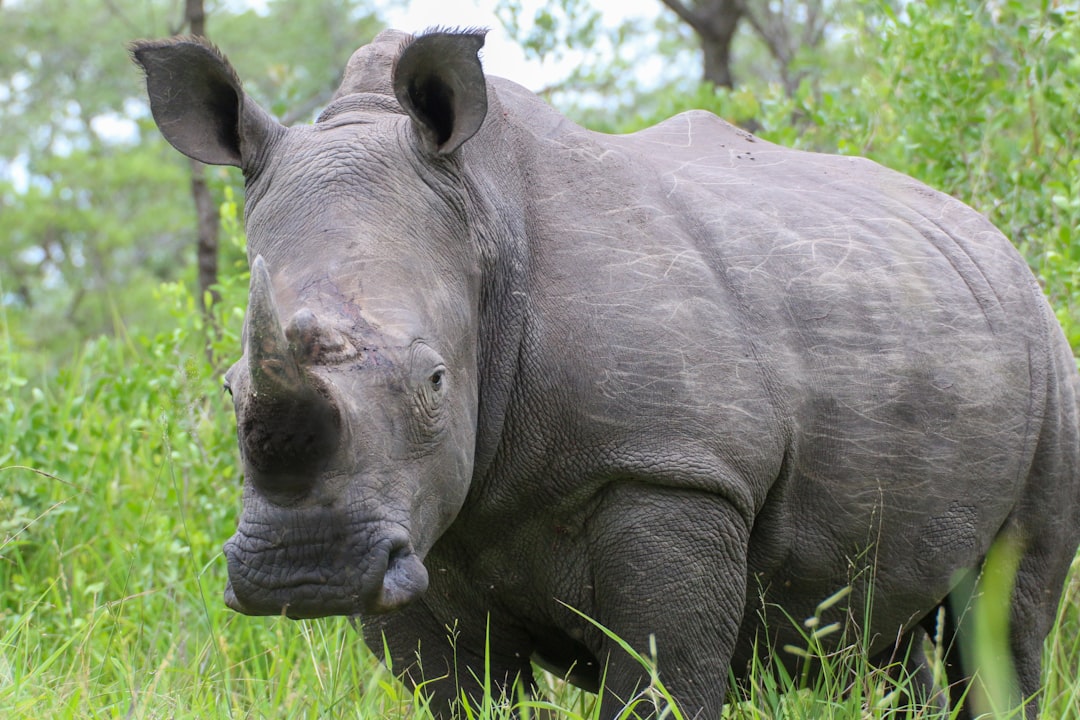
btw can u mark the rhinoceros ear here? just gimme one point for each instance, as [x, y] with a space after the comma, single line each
[439, 81]
[198, 104]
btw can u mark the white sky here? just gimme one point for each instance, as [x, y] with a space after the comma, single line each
[501, 55]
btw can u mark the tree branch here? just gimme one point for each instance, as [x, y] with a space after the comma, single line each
[685, 14]
[301, 111]
[770, 28]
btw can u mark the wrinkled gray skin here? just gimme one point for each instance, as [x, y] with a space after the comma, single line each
[497, 366]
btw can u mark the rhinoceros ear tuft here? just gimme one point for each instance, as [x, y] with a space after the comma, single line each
[439, 81]
[198, 103]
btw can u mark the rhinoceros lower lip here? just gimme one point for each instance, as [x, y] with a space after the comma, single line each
[299, 602]
[388, 576]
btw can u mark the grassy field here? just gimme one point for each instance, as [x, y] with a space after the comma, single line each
[120, 484]
[118, 463]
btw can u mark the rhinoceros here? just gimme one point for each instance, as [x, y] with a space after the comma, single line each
[512, 391]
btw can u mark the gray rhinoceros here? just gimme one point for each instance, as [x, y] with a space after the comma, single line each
[502, 374]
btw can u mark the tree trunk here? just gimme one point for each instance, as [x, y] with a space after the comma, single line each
[209, 223]
[784, 26]
[716, 51]
[715, 23]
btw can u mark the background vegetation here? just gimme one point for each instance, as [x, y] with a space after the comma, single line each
[117, 458]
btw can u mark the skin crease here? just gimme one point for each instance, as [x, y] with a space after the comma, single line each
[499, 369]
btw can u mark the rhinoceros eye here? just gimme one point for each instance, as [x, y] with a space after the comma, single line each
[226, 387]
[430, 382]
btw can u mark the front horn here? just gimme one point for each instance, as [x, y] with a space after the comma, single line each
[275, 373]
[287, 426]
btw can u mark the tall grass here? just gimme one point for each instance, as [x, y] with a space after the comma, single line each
[120, 477]
[120, 483]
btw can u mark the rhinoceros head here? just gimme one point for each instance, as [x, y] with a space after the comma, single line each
[356, 396]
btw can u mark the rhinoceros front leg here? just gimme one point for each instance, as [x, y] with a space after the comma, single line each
[669, 572]
[447, 662]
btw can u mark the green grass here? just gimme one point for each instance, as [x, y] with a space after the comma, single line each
[120, 484]
[119, 472]
[110, 568]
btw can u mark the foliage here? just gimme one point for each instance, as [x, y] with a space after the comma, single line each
[997, 128]
[553, 29]
[96, 208]
[599, 70]
[79, 212]
[611, 75]
[75, 259]
[117, 455]
[121, 481]
[283, 70]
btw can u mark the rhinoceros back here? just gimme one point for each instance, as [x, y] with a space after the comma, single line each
[907, 345]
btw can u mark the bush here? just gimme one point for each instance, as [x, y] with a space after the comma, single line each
[121, 482]
[120, 473]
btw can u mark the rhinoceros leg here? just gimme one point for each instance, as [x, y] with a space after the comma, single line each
[1040, 578]
[917, 677]
[1046, 526]
[669, 572]
[1033, 606]
[954, 607]
[447, 661]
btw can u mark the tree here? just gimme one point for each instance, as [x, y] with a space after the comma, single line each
[785, 27]
[738, 43]
[93, 208]
[208, 221]
[715, 23]
[87, 212]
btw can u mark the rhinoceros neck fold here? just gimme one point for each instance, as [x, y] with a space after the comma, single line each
[499, 224]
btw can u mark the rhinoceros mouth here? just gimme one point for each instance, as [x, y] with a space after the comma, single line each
[312, 581]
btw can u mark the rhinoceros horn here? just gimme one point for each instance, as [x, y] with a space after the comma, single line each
[275, 373]
[287, 426]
